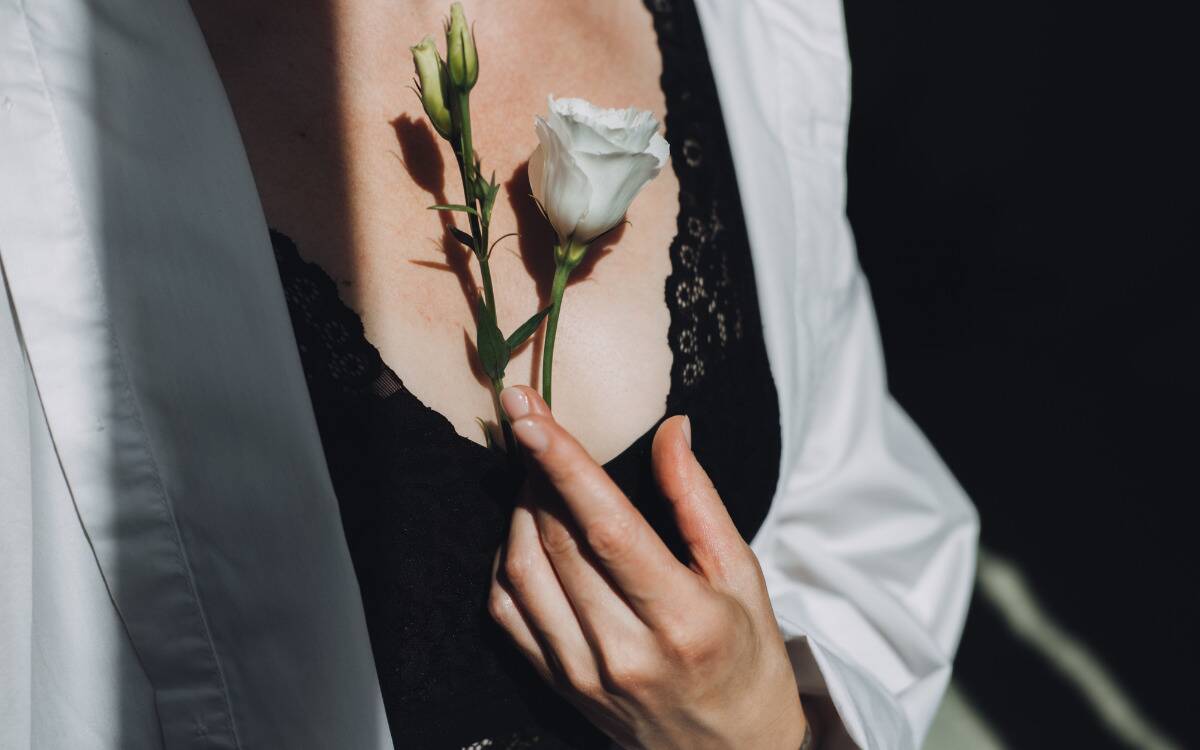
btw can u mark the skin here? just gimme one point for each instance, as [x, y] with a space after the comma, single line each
[320, 91]
[657, 654]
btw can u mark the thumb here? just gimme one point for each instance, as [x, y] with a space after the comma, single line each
[716, 546]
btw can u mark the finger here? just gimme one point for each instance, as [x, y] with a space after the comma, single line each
[718, 550]
[517, 402]
[504, 610]
[628, 549]
[530, 579]
[607, 620]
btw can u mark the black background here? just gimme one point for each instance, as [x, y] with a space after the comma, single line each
[1022, 191]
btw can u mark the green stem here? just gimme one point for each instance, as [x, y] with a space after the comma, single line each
[561, 273]
[485, 272]
[466, 163]
[479, 224]
[466, 159]
[511, 447]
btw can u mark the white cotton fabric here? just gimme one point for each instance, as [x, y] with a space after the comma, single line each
[172, 567]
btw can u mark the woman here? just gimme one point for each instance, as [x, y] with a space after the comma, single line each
[169, 483]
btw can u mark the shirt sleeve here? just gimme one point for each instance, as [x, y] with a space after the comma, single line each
[869, 548]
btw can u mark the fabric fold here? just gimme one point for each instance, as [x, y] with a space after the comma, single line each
[154, 325]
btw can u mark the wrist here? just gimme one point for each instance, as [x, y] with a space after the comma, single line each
[793, 734]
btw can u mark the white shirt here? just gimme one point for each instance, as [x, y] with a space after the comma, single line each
[173, 572]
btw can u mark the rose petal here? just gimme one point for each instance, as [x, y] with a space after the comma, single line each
[592, 129]
[659, 149]
[616, 179]
[578, 136]
[558, 183]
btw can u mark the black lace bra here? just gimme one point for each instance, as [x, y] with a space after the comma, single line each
[424, 508]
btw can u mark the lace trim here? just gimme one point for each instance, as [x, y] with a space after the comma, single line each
[519, 741]
[329, 336]
[424, 508]
[710, 252]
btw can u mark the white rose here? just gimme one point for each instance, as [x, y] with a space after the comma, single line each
[590, 164]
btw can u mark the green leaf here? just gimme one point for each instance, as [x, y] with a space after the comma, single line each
[463, 237]
[526, 330]
[480, 185]
[489, 195]
[453, 207]
[493, 350]
[488, 440]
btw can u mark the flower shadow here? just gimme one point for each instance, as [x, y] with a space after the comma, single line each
[537, 239]
[535, 243]
[421, 156]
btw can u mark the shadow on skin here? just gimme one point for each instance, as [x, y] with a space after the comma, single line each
[421, 156]
[535, 242]
[422, 159]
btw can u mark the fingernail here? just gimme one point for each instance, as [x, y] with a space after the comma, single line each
[515, 402]
[687, 429]
[532, 434]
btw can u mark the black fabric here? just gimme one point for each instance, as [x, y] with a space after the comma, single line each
[424, 509]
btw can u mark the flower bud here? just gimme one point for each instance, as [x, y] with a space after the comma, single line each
[461, 60]
[434, 86]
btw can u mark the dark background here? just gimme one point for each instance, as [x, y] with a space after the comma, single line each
[1022, 191]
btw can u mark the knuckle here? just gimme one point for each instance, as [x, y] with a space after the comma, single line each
[746, 560]
[701, 639]
[518, 569]
[627, 673]
[738, 566]
[742, 556]
[612, 538]
[557, 540]
[688, 645]
[577, 678]
[500, 605]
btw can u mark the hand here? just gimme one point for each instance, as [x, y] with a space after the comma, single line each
[655, 653]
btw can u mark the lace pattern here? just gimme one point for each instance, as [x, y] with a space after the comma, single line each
[711, 259]
[424, 509]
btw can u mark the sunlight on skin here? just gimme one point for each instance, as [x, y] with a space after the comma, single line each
[346, 193]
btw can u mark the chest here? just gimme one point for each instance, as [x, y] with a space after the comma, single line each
[345, 163]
